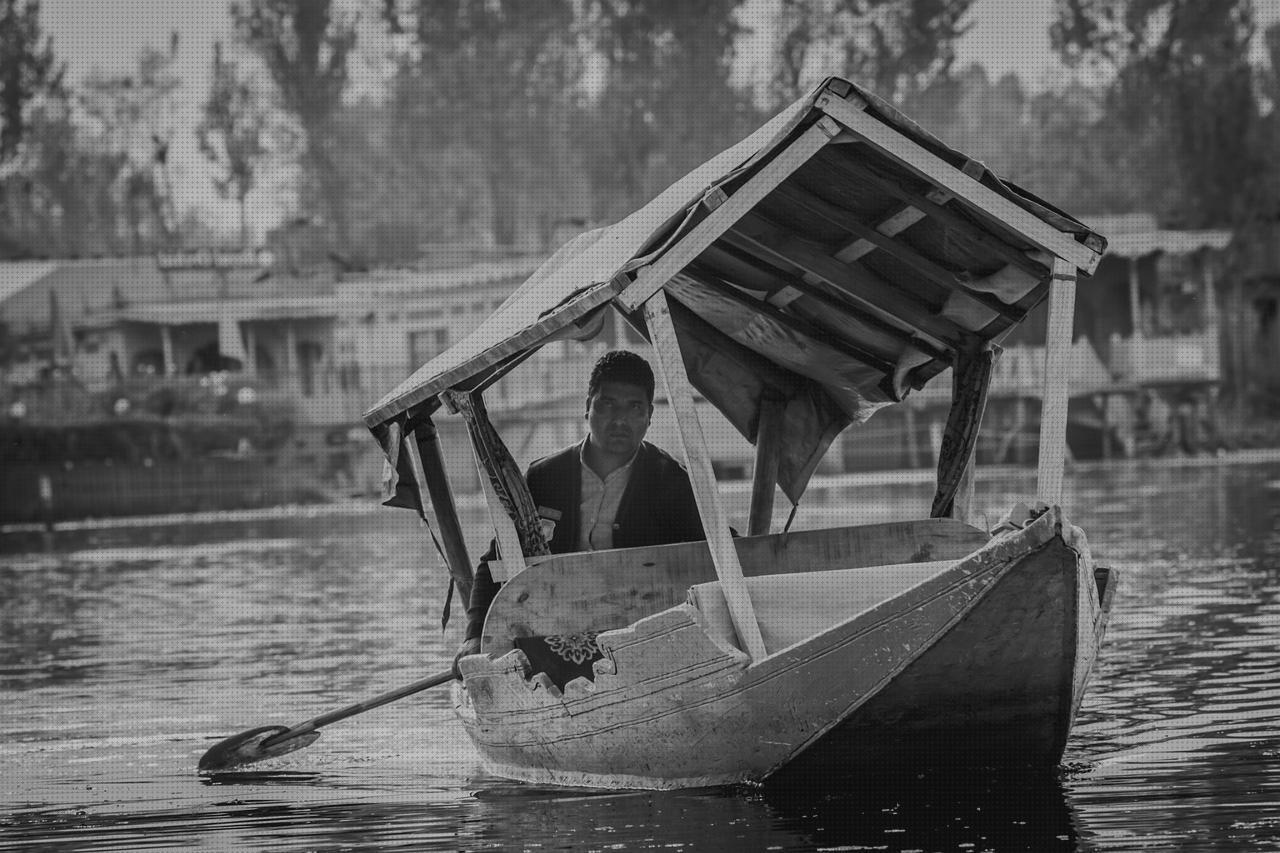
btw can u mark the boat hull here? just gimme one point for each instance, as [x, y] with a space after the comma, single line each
[674, 703]
[999, 690]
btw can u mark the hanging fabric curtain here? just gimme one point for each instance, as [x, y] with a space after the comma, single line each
[970, 379]
[503, 473]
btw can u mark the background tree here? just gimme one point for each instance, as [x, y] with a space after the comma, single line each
[897, 48]
[66, 198]
[667, 102]
[137, 116]
[231, 134]
[28, 69]
[1183, 94]
[490, 88]
[305, 48]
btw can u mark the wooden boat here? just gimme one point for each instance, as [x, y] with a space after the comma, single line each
[825, 267]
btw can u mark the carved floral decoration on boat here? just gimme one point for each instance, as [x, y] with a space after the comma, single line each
[575, 648]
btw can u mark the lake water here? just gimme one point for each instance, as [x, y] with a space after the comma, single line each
[125, 652]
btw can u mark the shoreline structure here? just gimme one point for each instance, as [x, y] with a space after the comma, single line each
[905, 476]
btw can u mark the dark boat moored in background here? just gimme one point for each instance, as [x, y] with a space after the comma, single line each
[151, 446]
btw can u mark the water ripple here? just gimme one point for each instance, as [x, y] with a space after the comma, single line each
[124, 654]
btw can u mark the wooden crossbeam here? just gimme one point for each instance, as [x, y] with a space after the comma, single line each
[856, 280]
[793, 324]
[924, 266]
[930, 204]
[786, 295]
[840, 302]
[936, 171]
[651, 278]
[904, 217]
[666, 349]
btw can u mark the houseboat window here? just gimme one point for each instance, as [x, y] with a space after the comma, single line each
[426, 344]
[310, 354]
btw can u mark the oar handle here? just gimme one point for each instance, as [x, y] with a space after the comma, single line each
[360, 707]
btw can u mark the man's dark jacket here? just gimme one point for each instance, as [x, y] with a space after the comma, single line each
[657, 508]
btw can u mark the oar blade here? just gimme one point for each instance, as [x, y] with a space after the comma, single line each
[248, 747]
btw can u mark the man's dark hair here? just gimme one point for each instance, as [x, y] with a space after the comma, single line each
[621, 366]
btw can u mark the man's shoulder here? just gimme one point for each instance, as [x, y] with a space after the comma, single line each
[568, 457]
[662, 462]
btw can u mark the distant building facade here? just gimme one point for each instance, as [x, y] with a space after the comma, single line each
[1147, 320]
[1165, 309]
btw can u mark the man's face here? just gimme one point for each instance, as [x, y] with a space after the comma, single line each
[618, 415]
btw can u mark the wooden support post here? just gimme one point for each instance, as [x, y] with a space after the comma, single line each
[724, 555]
[1135, 301]
[291, 356]
[1210, 299]
[251, 349]
[428, 471]
[765, 477]
[1239, 359]
[166, 348]
[1053, 411]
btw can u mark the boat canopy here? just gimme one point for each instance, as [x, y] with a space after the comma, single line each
[834, 260]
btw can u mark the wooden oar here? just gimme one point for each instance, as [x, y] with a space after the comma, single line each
[271, 741]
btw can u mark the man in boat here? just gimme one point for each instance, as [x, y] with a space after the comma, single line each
[611, 490]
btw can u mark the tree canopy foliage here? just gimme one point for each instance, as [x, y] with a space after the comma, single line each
[28, 69]
[396, 125]
[1183, 98]
[232, 134]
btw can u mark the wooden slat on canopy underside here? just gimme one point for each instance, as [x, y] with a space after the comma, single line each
[845, 375]
[837, 278]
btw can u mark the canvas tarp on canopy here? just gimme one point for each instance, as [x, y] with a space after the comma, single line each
[836, 258]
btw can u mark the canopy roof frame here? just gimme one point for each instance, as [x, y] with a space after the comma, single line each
[851, 113]
[892, 285]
